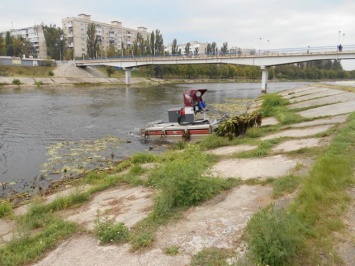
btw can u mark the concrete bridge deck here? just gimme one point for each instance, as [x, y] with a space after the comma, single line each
[263, 59]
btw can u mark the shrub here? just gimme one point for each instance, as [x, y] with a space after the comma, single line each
[270, 101]
[212, 257]
[16, 82]
[173, 250]
[273, 236]
[5, 208]
[182, 184]
[110, 70]
[50, 73]
[143, 158]
[38, 83]
[108, 231]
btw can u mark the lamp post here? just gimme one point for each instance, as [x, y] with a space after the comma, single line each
[267, 46]
[339, 36]
[260, 47]
[60, 47]
[343, 37]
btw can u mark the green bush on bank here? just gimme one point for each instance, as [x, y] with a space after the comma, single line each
[182, 183]
[5, 208]
[275, 105]
[274, 236]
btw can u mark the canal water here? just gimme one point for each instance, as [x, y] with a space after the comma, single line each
[39, 127]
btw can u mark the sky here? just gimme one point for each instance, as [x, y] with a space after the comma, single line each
[258, 24]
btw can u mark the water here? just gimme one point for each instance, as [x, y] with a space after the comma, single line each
[33, 119]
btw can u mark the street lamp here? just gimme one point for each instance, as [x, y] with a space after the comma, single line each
[339, 36]
[343, 37]
[268, 46]
[260, 46]
[60, 47]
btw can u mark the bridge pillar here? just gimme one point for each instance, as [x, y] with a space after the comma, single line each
[264, 78]
[128, 75]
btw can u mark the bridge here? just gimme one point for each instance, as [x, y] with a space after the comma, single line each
[263, 59]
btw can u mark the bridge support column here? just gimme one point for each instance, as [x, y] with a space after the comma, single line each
[264, 78]
[128, 75]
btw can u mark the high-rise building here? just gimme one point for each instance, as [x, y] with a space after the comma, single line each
[35, 36]
[75, 32]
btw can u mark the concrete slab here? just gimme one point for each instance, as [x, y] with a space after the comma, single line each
[124, 204]
[232, 149]
[26, 81]
[296, 94]
[323, 121]
[7, 228]
[50, 198]
[330, 110]
[274, 166]
[44, 80]
[212, 225]
[269, 121]
[209, 225]
[298, 133]
[327, 92]
[82, 250]
[295, 90]
[61, 81]
[293, 145]
[343, 97]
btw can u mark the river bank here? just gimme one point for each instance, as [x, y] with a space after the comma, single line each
[215, 228]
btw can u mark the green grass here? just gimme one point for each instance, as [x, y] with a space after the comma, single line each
[263, 149]
[30, 248]
[314, 215]
[273, 236]
[108, 231]
[172, 250]
[274, 105]
[212, 257]
[22, 71]
[5, 209]
[286, 184]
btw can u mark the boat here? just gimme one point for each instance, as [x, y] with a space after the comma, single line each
[189, 123]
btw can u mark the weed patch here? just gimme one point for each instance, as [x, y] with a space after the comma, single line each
[108, 231]
[172, 250]
[286, 184]
[30, 248]
[273, 236]
[212, 257]
[5, 208]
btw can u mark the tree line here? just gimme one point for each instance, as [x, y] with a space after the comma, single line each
[311, 71]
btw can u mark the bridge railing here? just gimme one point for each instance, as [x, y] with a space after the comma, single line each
[243, 53]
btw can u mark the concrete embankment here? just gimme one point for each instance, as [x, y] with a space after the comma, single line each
[220, 222]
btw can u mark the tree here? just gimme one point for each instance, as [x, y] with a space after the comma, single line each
[187, 48]
[159, 42]
[209, 49]
[214, 48]
[9, 48]
[54, 41]
[174, 47]
[152, 43]
[224, 49]
[2, 45]
[92, 41]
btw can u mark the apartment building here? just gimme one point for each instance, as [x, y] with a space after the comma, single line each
[35, 36]
[196, 48]
[75, 32]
